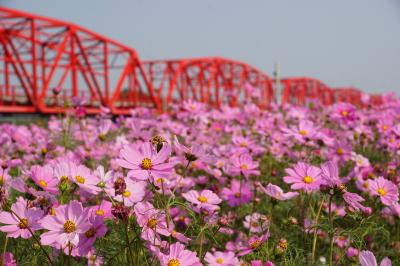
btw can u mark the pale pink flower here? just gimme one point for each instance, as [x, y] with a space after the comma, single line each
[16, 225]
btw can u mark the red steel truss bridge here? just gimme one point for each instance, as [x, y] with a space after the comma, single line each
[45, 63]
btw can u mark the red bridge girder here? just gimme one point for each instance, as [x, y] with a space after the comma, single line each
[38, 54]
[215, 81]
[300, 90]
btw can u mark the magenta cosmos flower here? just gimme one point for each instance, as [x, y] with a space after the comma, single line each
[17, 225]
[237, 194]
[367, 258]
[385, 189]
[66, 225]
[97, 230]
[206, 200]
[179, 256]
[145, 161]
[303, 176]
[219, 258]
[244, 164]
[277, 193]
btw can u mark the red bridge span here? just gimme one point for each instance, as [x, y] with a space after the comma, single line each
[44, 62]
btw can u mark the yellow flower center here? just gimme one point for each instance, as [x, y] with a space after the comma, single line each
[345, 113]
[244, 167]
[173, 262]
[159, 180]
[80, 179]
[101, 184]
[69, 226]
[243, 144]
[100, 212]
[43, 183]
[237, 195]
[340, 151]
[303, 132]
[365, 184]
[23, 223]
[90, 233]
[126, 194]
[255, 244]
[308, 179]
[146, 164]
[219, 261]
[152, 223]
[202, 199]
[381, 192]
[64, 178]
[385, 127]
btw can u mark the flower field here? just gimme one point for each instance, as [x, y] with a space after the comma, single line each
[291, 185]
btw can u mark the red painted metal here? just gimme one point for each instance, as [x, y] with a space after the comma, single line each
[214, 81]
[301, 90]
[38, 54]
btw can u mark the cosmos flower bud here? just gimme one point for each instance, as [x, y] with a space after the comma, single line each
[120, 211]
[119, 186]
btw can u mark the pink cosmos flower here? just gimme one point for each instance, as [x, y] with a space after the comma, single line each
[104, 178]
[44, 178]
[17, 225]
[196, 152]
[367, 258]
[8, 259]
[354, 200]
[68, 223]
[103, 210]
[237, 194]
[152, 221]
[83, 177]
[256, 223]
[206, 200]
[343, 112]
[341, 241]
[178, 255]
[385, 189]
[260, 263]
[276, 192]
[219, 258]
[145, 161]
[303, 133]
[94, 259]
[352, 252]
[253, 244]
[134, 192]
[303, 176]
[330, 174]
[244, 164]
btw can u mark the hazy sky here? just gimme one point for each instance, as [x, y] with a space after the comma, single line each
[342, 42]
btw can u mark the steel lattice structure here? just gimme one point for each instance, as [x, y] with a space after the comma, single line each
[38, 54]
